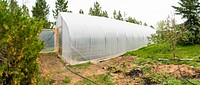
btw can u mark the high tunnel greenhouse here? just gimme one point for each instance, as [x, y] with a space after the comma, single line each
[82, 38]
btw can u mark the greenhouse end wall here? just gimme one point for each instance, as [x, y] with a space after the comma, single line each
[87, 38]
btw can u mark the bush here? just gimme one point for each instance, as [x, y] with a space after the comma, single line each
[19, 46]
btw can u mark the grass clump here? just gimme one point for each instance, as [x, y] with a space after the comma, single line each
[82, 66]
[102, 79]
[67, 80]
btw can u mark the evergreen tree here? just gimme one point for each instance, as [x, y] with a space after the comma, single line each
[41, 10]
[152, 26]
[114, 14]
[190, 10]
[96, 11]
[119, 16]
[61, 6]
[132, 20]
[81, 11]
[145, 24]
[105, 14]
[25, 10]
[13, 6]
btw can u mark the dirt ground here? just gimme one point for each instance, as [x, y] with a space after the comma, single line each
[53, 71]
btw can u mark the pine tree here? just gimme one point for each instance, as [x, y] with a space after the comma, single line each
[41, 10]
[96, 11]
[145, 24]
[190, 10]
[25, 10]
[61, 6]
[119, 16]
[104, 14]
[14, 7]
[81, 11]
[114, 14]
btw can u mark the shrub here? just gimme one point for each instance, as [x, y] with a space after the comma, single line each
[19, 46]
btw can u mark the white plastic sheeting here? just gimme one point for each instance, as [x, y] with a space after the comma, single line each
[86, 38]
[48, 38]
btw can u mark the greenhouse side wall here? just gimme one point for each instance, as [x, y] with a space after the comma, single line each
[91, 38]
[48, 38]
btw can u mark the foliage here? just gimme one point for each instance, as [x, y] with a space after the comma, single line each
[164, 79]
[118, 16]
[152, 53]
[81, 11]
[41, 10]
[96, 11]
[61, 6]
[102, 79]
[132, 20]
[67, 80]
[19, 46]
[25, 10]
[82, 66]
[190, 9]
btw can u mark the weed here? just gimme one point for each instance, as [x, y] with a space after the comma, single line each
[67, 80]
[102, 79]
[82, 66]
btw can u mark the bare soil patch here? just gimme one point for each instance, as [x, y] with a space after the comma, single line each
[53, 71]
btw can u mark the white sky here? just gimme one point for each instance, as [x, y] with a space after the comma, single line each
[149, 11]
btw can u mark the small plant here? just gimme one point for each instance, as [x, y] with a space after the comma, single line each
[102, 79]
[67, 80]
[84, 65]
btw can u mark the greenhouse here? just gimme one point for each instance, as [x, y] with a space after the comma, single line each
[82, 38]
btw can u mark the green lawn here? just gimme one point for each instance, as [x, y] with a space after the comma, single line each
[155, 52]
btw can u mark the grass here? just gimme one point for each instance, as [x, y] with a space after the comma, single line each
[102, 79]
[152, 53]
[67, 80]
[81, 66]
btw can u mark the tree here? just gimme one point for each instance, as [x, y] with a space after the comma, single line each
[96, 11]
[41, 10]
[132, 20]
[152, 26]
[81, 11]
[145, 24]
[105, 14]
[61, 6]
[25, 10]
[114, 14]
[119, 16]
[19, 46]
[190, 10]
[13, 6]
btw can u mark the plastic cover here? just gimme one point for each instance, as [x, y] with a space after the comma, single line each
[48, 37]
[86, 38]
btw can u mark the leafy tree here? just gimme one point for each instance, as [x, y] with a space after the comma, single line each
[61, 6]
[96, 11]
[41, 10]
[19, 46]
[190, 10]
[81, 11]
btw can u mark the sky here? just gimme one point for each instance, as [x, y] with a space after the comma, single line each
[149, 11]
